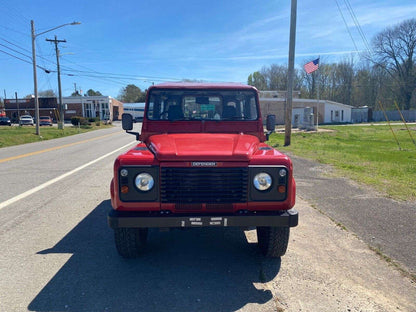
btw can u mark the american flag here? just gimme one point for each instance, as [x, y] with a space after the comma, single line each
[311, 66]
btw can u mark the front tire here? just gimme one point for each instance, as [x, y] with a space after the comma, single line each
[130, 242]
[273, 241]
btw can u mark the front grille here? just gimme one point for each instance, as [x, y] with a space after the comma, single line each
[204, 185]
[208, 207]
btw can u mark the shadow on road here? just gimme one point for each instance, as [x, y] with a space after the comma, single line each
[200, 269]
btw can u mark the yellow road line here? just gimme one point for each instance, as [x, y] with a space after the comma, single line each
[63, 176]
[54, 148]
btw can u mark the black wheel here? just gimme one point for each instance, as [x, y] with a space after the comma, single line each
[273, 241]
[130, 241]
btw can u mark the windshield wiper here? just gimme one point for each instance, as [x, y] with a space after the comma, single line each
[235, 118]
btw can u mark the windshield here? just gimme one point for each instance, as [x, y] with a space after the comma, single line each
[202, 105]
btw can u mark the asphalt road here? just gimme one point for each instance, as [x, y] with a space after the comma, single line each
[57, 252]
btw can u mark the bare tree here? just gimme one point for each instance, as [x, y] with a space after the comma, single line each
[344, 75]
[394, 51]
[276, 76]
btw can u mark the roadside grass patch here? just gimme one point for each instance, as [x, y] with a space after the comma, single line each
[367, 154]
[16, 135]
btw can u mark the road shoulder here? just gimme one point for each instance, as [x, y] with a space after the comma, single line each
[330, 269]
[384, 224]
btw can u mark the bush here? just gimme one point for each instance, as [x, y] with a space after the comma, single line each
[94, 119]
[81, 121]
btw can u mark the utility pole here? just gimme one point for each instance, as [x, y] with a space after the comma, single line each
[17, 104]
[35, 79]
[60, 104]
[291, 69]
[4, 99]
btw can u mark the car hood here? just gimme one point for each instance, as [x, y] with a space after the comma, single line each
[203, 147]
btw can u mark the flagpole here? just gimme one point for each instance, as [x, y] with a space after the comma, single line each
[317, 107]
[310, 68]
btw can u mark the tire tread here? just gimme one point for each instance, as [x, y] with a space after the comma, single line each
[273, 241]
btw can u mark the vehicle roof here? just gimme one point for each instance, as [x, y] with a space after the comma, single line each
[203, 85]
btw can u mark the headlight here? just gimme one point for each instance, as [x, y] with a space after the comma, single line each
[262, 181]
[144, 182]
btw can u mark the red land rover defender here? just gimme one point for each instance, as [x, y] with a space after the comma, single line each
[202, 162]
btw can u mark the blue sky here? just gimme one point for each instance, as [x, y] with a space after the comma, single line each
[145, 42]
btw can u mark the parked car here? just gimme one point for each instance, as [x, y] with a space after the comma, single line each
[5, 121]
[45, 121]
[26, 120]
[138, 119]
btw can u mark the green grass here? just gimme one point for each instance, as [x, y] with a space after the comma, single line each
[367, 154]
[20, 135]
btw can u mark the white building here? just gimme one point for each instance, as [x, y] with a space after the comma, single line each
[324, 111]
[104, 107]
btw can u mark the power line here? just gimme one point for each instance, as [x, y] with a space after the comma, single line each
[118, 76]
[26, 61]
[357, 24]
[346, 25]
[16, 31]
[16, 57]
[111, 77]
[15, 11]
[15, 45]
[114, 78]
[15, 51]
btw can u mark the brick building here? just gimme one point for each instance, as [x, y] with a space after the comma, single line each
[15, 108]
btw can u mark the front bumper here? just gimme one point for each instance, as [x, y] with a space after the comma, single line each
[123, 219]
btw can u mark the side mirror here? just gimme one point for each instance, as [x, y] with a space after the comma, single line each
[127, 122]
[271, 123]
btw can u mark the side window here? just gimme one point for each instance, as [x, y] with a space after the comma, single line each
[253, 109]
[150, 110]
[248, 108]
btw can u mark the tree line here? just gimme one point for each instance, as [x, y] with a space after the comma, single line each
[384, 75]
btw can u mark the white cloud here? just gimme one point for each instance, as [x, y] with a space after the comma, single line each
[383, 17]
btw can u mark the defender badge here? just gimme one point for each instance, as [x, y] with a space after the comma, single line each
[204, 164]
